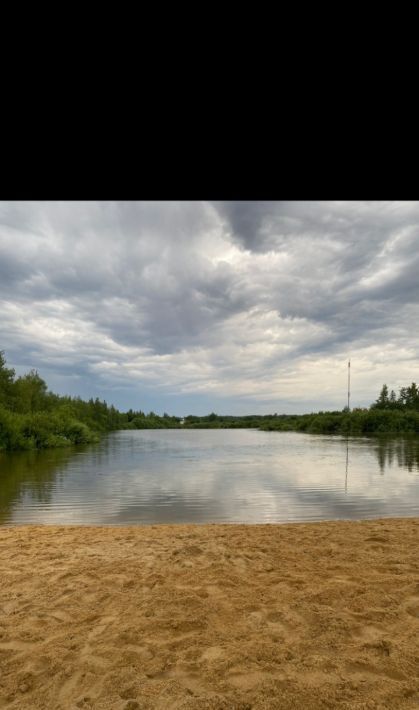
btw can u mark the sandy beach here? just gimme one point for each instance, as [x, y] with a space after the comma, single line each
[220, 617]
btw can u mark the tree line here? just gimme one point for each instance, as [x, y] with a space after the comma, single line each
[32, 417]
[389, 414]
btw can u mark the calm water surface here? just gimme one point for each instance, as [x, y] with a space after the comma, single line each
[199, 476]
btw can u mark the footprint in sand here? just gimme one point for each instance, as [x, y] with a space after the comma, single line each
[367, 633]
[368, 670]
[381, 647]
[212, 653]
[412, 607]
[256, 619]
[247, 680]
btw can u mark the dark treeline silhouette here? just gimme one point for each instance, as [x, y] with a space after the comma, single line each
[408, 399]
[389, 414]
[220, 421]
[32, 417]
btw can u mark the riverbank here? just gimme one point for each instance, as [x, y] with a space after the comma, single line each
[321, 615]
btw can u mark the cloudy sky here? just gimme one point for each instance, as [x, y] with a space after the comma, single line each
[193, 307]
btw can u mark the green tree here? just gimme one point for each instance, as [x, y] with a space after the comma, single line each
[409, 397]
[7, 376]
[412, 399]
[30, 393]
[383, 401]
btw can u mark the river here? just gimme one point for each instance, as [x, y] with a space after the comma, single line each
[218, 475]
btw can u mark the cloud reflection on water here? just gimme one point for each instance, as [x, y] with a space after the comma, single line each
[223, 476]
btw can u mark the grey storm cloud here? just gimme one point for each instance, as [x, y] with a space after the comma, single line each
[345, 254]
[208, 297]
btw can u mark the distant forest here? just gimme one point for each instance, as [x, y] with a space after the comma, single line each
[32, 417]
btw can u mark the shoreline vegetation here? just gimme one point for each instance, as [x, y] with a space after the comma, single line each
[32, 417]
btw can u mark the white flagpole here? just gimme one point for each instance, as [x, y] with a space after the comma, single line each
[349, 384]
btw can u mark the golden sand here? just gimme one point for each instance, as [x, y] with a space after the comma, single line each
[232, 617]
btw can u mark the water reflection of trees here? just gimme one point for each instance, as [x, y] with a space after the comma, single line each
[31, 472]
[403, 452]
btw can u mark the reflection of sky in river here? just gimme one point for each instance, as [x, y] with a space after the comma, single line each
[226, 476]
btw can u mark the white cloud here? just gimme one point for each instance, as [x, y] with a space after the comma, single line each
[258, 303]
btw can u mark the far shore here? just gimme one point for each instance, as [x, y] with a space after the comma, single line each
[210, 617]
